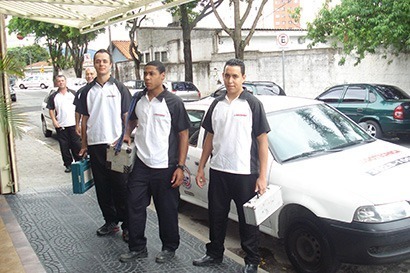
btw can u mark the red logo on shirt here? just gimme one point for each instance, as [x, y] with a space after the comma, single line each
[159, 115]
[240, 115]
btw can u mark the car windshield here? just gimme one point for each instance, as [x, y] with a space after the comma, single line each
[390, 92]
[310, 131]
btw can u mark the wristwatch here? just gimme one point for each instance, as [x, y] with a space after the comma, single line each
[182, 167]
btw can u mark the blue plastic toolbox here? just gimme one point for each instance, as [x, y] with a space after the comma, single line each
[82, 176]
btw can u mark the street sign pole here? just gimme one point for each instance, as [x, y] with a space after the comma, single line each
[282, 40]
[283, 69]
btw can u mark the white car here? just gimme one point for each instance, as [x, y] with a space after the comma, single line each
[34, 82]
[346, 194]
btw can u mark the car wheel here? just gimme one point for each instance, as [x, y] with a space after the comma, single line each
[43, 86]
[373, 128]
[46, 132]
[308, 249]
[21, 86]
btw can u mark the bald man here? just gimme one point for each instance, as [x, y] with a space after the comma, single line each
[90, 74]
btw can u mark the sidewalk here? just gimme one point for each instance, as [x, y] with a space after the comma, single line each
[47, 228]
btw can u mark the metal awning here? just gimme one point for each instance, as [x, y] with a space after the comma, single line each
[86, 15]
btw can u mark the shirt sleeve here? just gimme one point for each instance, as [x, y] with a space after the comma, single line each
[50, 103]
[260, 122]
[180, 119]
[207, 122]
[81, 107]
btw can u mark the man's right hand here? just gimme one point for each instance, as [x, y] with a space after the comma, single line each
[83, 152]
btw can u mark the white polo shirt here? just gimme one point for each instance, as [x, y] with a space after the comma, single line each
[159, 122]
[235, 126]
[105, 106]
[63, 106]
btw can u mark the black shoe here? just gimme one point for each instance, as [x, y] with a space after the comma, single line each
[125, 235]
[250, 268]
[133, 255]
[206, 260]
[107, 228]
[67, 169]
[164, 256]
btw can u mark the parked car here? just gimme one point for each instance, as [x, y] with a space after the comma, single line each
[344, 196]
[256, 88]
[384, 108]
[187, 91]
[13, 95]
[75, 83]
[47, 126]
[34, 81]
[134, 85]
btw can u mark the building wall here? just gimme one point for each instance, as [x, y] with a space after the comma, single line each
[307, 72]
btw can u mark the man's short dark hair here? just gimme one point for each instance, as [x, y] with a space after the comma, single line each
[102, 50]
[236, 62]
[60, 76]
[160, 66]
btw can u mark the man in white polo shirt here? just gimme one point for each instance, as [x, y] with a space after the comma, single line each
[161, 139]
[104, 105]
[62, 113]
[237, 128]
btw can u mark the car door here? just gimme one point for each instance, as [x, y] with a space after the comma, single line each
[354, 102]
[196, 136]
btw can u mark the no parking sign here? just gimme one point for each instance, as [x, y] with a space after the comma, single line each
[282, 39]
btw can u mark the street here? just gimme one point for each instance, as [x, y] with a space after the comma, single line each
[192, 218]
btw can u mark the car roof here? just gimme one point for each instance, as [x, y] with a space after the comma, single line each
[270, 103]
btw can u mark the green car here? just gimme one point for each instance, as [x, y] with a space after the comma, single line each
[384, 108]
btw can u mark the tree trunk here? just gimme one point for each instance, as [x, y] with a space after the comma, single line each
[186, 37]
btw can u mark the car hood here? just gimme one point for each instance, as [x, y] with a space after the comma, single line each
[373, 173]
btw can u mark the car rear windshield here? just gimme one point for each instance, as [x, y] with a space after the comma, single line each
[392, 92]
[181, 86]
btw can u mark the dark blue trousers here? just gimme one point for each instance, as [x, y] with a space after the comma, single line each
[143, 183]
[110, 186]
[70, 144]
[224, 187]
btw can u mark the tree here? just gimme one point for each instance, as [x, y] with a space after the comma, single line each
[57, 39]
[26, 55]
[236, 32]
[133, 49]
[189, 19]
[365, 26]
[77, 45]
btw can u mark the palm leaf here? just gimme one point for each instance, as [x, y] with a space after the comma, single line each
[10, 119]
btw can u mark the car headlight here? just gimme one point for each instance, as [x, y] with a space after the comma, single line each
[382, 213]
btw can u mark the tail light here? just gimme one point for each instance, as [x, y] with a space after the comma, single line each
[398, 112]
[199, 94]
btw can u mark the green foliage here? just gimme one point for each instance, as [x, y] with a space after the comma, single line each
[22, 55]
[363, 26]
[10, 120]
[56, 38]
[190, 6]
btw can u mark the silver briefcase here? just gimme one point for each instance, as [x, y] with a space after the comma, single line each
[123, 161]
[259, 208]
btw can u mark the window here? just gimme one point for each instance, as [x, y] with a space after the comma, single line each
[333, 95]
[355, 94]
[147, 57]
[195, 117]
[157, 56]
[164, 56]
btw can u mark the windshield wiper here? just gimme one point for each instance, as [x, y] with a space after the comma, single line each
[305, 154]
